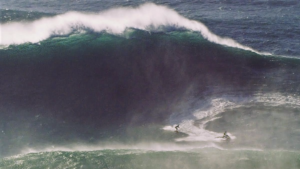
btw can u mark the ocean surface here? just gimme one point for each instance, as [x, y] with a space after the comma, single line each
[102, 84]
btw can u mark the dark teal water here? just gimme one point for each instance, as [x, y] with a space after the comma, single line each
[104, 87]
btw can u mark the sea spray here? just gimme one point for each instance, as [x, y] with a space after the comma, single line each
[148, 17]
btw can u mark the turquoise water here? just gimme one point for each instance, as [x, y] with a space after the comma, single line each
[103, 84]
[204, 158]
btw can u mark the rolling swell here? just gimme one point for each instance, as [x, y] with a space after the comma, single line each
[85, 87]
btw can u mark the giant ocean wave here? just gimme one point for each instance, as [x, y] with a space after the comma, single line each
[110, 87]
[148, 17]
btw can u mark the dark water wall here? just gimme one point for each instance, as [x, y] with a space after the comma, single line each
[79, 87]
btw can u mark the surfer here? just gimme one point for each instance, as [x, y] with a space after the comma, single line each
[225, 135]
[176, 127]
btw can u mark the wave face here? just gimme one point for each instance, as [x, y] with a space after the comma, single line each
[148, 17]
[94, 86]
[98, 89]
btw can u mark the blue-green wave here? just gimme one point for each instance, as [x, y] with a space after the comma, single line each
[205, 158]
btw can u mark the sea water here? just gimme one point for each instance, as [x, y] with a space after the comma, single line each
[102, 84]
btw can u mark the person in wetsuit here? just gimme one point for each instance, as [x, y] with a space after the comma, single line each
[176, 127]
[225, 135]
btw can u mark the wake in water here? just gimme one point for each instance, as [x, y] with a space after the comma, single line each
[147, 17]
[75, 93]
[198, 122]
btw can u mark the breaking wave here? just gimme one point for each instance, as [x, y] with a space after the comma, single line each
[147, 17]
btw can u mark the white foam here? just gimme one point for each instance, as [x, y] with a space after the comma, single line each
[194, 123]
[146, 17]
[197, 132]
[132, 148]
[277, 99]
[209, 111]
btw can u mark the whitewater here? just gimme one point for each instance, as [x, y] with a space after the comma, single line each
[103, 84]
[148, 17]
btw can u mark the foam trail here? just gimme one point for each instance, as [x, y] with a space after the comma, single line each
[146, 17]
[214, 106]
[116, 146]
[198, 132]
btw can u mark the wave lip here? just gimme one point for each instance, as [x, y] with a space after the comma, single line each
[146, 17]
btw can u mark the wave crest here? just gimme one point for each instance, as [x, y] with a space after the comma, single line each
[146, 17]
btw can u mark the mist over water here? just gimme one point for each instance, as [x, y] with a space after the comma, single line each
[106, 89]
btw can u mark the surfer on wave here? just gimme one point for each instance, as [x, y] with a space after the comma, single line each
[176, 127]
[225, 136]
